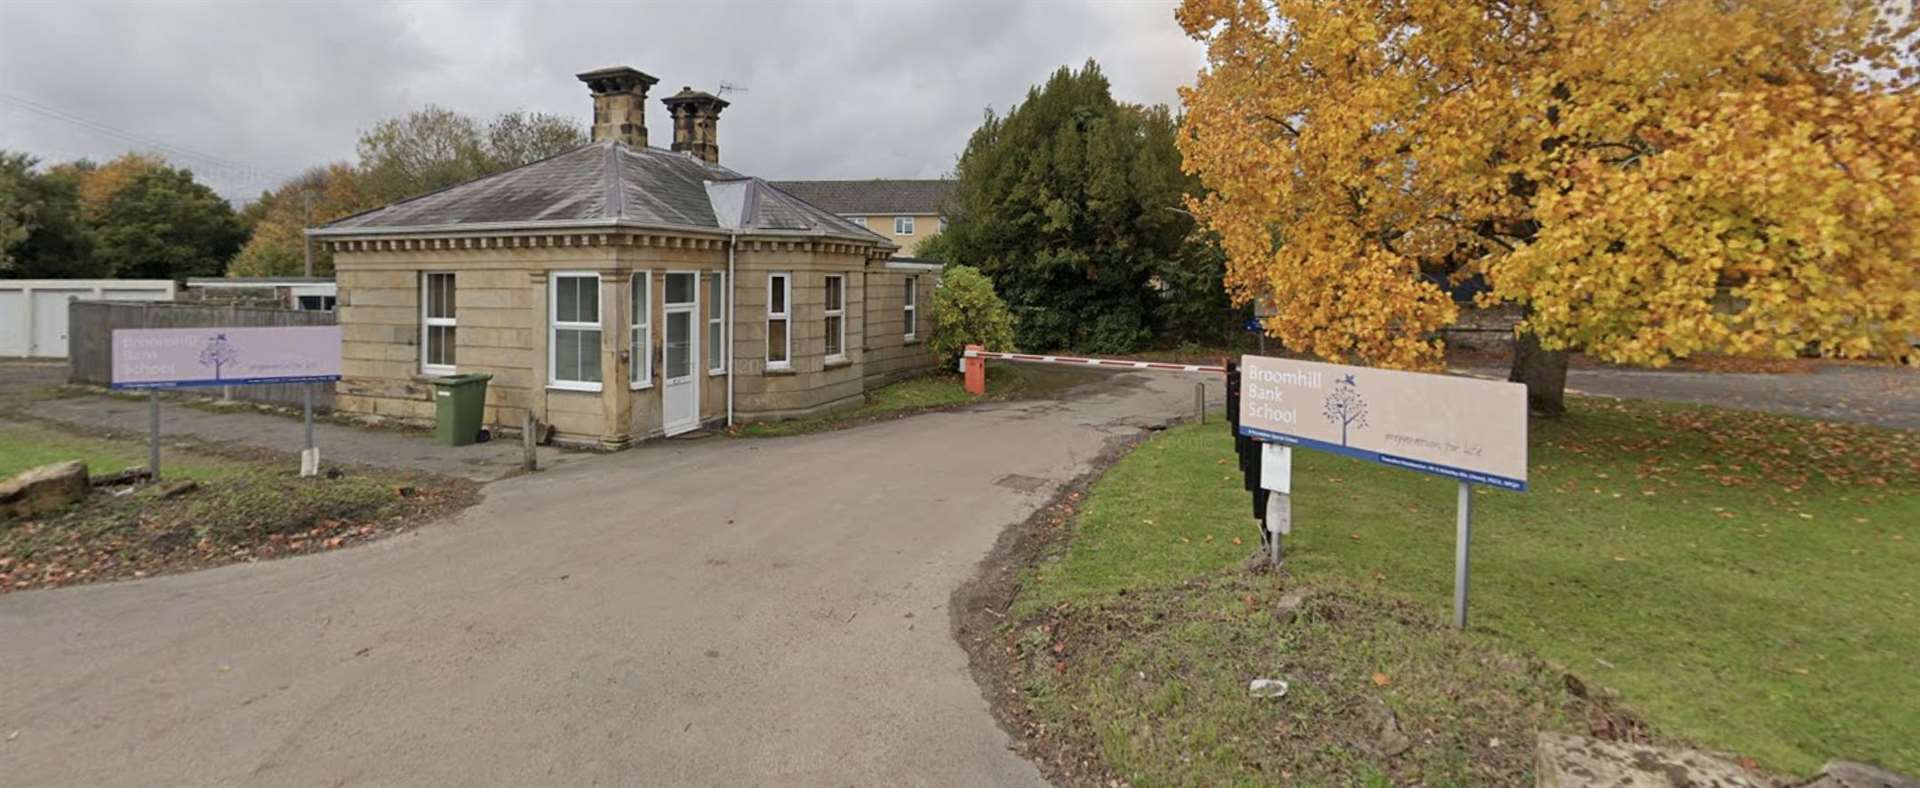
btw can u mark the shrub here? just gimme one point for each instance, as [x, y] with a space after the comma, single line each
[966, 311]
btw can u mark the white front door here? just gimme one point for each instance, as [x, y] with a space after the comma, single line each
[680, 397]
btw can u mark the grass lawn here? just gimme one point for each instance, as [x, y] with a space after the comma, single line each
[23, 447]
[1745, 582]
[932, 391]
[242, 509]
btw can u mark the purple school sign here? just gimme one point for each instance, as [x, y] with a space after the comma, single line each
[167, 358]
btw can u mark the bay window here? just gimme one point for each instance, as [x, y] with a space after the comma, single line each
[716, 323]
[779, 339]
[573, 331]
[836, 317]
[640, 338]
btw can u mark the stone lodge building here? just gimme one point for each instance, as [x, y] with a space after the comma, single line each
[620, 292]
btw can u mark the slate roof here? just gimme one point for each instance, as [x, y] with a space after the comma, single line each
[604, 184]
[875, 196]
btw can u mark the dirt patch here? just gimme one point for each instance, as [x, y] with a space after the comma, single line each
[1152, 687]
[219, 504]
[978, 611]
[144, 531]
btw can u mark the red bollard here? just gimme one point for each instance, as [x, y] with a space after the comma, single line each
[976, 370]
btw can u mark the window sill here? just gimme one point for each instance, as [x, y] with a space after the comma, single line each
[435, 372]
[585, 388]
[784, 369]
[715, 373]
[836, 363]
[640, 386]
[909, 340]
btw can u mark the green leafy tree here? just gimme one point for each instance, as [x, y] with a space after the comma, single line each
[434, 147]
[967, 311]
[422, 151]
[516, 138]
[165, 225]
[16, 209]
[1193, 302]
[1072, 203]
[43, 231]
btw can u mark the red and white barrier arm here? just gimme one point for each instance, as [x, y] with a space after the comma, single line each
[1093, 362]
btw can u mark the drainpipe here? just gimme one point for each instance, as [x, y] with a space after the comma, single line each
[733, 285]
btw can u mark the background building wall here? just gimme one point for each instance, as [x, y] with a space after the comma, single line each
[924, 226]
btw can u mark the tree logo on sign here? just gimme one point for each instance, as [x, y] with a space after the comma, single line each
[218, 353]
[1346, 407]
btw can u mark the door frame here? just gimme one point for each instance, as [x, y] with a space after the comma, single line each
[695, 363]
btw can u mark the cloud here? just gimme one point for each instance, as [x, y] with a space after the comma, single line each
[249, 93]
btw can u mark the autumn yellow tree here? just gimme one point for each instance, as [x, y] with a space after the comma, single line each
[1648, 179]
[277, 246]
[99, 184]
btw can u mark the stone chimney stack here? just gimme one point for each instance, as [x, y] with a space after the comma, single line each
[696, 122]
[619, 104]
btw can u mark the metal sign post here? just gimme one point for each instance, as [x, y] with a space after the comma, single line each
[1279, 522]
[310, 455]
[1470, 430]
[1276, 477]
[153, 433]
[175, 358]
[1462, 539]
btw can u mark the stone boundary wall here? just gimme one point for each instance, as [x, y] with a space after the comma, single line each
[1486, 329]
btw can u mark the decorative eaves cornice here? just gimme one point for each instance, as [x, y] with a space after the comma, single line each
[574, 240]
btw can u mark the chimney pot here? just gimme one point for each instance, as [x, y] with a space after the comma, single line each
[696, 122]
[619, 104]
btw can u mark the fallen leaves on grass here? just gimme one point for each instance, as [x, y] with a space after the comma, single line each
[1757, 449]
[248, 517]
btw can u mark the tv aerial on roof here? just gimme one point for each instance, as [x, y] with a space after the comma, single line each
[729, 87]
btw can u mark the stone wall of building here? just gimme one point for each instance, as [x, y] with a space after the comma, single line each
[890, 354]
[499, 310]
[813, 383]
[501, 323]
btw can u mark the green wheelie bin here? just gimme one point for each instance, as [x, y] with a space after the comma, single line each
[458, 404]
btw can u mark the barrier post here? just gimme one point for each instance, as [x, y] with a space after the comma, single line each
[976, 373]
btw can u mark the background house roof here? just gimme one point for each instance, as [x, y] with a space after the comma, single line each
[876, 196]
[609, 182]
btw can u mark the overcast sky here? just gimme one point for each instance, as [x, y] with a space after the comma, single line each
[246, 93]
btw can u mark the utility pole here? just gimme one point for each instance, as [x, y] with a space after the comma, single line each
[306, 198]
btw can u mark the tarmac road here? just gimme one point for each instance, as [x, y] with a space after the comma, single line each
[717, 612]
